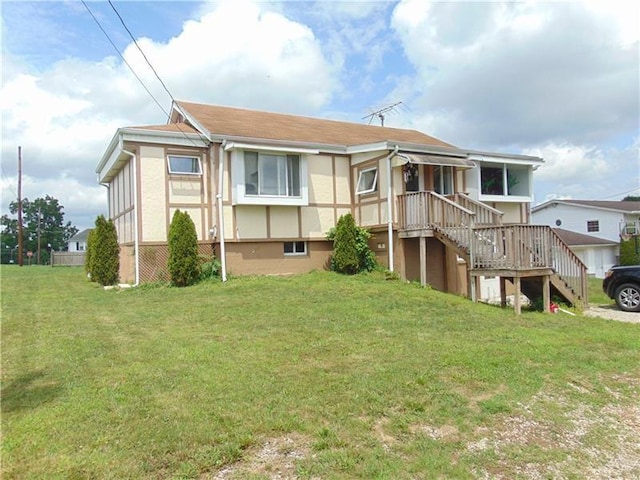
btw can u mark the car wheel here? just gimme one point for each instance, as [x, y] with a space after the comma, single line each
[628, 297]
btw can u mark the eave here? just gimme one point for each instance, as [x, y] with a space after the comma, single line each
[114, 157]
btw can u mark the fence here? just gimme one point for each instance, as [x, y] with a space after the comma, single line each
[67, 259]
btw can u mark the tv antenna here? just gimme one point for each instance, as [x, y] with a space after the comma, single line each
[380, 113]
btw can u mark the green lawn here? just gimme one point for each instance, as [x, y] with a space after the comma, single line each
[312, 376]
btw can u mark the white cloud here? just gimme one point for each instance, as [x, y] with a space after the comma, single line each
[565, 162]
[517, 74]
[64, 115]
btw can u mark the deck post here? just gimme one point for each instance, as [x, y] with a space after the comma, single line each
[503, 292]
[546, 294]
[423, 261]
[516, 299]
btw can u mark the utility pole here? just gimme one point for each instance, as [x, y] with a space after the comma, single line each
[20, 262]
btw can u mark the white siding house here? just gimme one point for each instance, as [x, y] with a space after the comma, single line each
[601, 219]
[78, 243]
[598, 254]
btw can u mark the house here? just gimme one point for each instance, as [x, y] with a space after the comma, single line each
[598, 254]
[598, 218]
[78, 243]
[264, 188]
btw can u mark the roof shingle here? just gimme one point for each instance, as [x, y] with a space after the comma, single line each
[228, 121]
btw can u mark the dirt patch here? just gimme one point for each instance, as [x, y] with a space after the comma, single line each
[577, 440]
[275, 459]
[611, 312]
[445, 433]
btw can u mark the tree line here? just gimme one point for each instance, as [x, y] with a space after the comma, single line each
[43, 229]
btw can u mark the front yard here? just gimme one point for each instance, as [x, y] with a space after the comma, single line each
[310, 376]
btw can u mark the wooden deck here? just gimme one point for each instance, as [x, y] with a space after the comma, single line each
[477, 234]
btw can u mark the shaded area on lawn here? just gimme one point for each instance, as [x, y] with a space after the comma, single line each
[28, 390]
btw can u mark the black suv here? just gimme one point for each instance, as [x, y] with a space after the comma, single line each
[622, 283]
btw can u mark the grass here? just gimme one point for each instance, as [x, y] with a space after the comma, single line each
[597, 297]
[317, 375]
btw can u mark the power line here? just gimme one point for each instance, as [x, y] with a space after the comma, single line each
[135, 42]
[620, 193]
[122, 57]
[204, 139]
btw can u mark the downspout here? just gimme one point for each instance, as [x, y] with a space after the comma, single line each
[136, 240]
[390, 208]
[219, 197]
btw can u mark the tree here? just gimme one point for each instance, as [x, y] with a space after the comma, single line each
[43, 226]
[631, 198]
[184, 268]
[630, 251]
[105, 253]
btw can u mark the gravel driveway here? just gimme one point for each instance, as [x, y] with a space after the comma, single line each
[611, 312]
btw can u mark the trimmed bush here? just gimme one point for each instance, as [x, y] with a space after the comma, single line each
[105, 254]
[351, 252]
[630, 251]
[184, 266]
[89, 254]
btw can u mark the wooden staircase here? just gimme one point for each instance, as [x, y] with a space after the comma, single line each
[530, 253]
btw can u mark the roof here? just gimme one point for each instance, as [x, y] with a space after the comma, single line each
[238, 122]
[617, 205]
[574, 239]
[81, 236]
[170, 127]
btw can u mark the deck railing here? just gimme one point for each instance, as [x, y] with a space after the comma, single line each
[492, 247]
[484, 214]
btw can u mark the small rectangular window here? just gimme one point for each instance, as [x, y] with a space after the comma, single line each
[367, 181]
[593, 226]
[295, 248]
[183, 165]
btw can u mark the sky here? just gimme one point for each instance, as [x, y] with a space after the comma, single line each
[559, 80]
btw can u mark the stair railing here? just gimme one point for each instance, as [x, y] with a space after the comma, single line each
[484, 214]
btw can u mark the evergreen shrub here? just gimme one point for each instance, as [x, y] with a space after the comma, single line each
[351, 252]
[88, 258]
[105, 255]
[184, 265]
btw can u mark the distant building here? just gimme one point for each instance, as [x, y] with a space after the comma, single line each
[597, 218]
[78, 243]
[598, 254]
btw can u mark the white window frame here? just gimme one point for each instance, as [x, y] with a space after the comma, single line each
[282, 168]
[239, 193]
[192, 157]
[525, 179]
[362, 189]
[294, 245]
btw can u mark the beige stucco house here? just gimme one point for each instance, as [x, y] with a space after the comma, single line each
[264, 188]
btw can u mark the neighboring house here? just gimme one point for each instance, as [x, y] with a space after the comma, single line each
[263, 189]
[78, 243]
[598, 218]
[598, 254]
